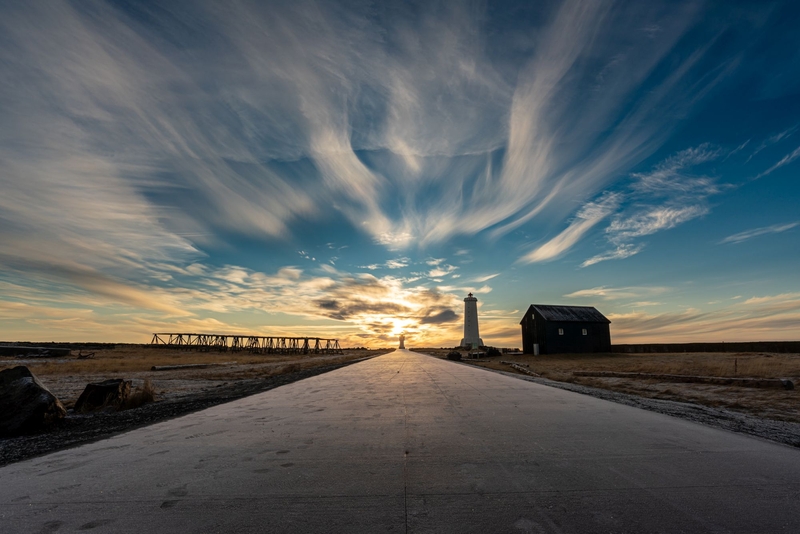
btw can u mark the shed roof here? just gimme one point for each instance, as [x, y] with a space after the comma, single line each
[583, 314]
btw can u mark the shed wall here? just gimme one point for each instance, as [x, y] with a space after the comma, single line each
[537, 330]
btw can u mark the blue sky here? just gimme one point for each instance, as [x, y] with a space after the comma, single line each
[353, 169]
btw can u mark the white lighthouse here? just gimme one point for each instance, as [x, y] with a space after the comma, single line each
[472, 338]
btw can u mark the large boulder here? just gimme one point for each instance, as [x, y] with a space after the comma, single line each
[26, 405]
[106, 394]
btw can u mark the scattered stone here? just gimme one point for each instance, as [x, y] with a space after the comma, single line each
[26, 405]
[189, 366]
[108, 393]
[521, 369]
[779, 383]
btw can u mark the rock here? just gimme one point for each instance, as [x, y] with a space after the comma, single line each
[26, 405]
[493, 351]
[108, 393]
[454, 355]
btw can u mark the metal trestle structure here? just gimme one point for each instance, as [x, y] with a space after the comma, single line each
[255, 344]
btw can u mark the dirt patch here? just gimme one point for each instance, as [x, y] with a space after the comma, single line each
[177, 392]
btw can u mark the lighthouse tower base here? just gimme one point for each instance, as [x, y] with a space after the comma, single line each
[472, 343]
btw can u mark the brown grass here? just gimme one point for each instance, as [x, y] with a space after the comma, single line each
[67, 377]
[768, 403]
[755, 365]
[128, 359]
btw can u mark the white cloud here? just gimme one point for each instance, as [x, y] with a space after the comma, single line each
[223, 124]
[441, 270]
[616, 293]
[591, 214]
[771, 140]
[668, 178]
[749, 234]
[652, 221]
[622, 251]
[128, 146]
[396, 263]
[661, 199]
[788, 158]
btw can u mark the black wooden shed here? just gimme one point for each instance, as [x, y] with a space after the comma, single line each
[548, 329]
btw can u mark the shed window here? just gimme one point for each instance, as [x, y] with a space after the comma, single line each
[585, 332]
[560, 331]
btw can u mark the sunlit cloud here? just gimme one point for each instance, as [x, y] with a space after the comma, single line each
[397, 263]
[765, 318]
[615, 293]
[591, 214]
[624, 250]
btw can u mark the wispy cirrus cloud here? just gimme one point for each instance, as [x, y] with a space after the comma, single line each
[788, 158]
[667, 196]
[485, 278]
[771, 140]
[617, 293]
[421, 83]
[755, 232]
[591, 214]
[136, 140]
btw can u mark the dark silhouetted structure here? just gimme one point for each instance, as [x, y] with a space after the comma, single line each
[550, 329]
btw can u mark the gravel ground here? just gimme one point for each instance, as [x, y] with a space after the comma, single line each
[779, 431]
[76, 430]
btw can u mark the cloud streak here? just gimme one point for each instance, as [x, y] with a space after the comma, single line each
[591, 214]
[787, 159]
[756, 232]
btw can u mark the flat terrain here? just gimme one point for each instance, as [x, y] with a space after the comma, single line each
[409, 443]
[774, 404]
[177, 392]
[67, 377]
[770, 413]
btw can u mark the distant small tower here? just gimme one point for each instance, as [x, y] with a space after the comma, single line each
[402, 341]
[472, 337]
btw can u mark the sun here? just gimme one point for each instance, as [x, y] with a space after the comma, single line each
[400, 325]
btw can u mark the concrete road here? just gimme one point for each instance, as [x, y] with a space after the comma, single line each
[409, 443]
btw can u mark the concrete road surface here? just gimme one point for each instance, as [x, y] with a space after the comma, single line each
[410, 443]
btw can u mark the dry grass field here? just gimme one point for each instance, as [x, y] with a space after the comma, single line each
[67, 377]
[775, 404]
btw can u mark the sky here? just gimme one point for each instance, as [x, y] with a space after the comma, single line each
[352, 170]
